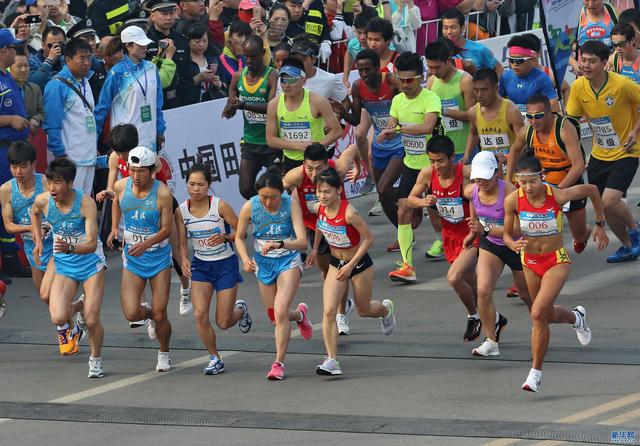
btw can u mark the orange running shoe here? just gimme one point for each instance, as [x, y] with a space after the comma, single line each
[69, 343]
[405, 274]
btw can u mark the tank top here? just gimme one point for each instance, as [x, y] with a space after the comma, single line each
[379, 105]
[298, 125]
[141, 217]
[21, 206]
[271, 227]
[307, 198]
[595, 30]
[338, 233]
[255, 124]
[199, 229]
[495, 135]
[630, 71]
[452, 99]
[67, 226]
[537, 222]
[554, 160]
[452, 207]
[490, 215]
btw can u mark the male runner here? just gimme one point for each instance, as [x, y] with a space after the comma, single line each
[625, 59]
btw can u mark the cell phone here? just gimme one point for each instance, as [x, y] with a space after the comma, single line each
[33, 19]
[163, 44]
[257, 13]
[213, 67]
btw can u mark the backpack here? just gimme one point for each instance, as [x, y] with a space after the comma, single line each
[560, 120]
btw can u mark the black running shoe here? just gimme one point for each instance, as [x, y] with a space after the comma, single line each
[473, 329]
[502, 322]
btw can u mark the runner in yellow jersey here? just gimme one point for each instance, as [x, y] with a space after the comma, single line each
[610, 103]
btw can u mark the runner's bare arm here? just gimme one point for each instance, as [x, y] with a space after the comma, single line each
[509, 234]
[466, 87]
[425, 127]
[37, 209]
[571, 139]
[182, 238]
[320, 107]
[241, 235]
[293, 178]
[515, 151]
[7, 211]
[347, 158]
[415, 199]
[578, 192]
[229, 216]
[473, 139]
[514, 117]
[353, 217]
[300, 242]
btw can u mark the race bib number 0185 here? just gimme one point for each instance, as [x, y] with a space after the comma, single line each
[604, 134]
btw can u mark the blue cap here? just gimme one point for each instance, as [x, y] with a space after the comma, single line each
[7, 39]
[291, 71]
[30, 2]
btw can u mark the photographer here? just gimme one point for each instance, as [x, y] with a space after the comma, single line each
[48, 62]
[52, 13]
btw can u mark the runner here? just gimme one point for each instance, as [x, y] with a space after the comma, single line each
[250, 90]
[487, 222]
[145, 205]
[610, 103]
[445, 182]
[626, 57]
[538, 208]
[16, 198]
[415, 115]
[303, 178]
[596, 21]
[298, 117]
[207, 220]
[555, 141]
[349, 238]
[78, 258]
[279, 233]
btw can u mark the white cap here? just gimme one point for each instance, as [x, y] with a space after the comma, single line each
[484, 165]
[135, 34]
[141, 157]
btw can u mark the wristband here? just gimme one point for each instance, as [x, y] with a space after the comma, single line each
[280, 244]
[398, 128]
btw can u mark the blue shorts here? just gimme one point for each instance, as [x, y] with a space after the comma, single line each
[222, 274]
[47, 252]
[80, 267]
[149, 264]
[270, 268]
[380, 158]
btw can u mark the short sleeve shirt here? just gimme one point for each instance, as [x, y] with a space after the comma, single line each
[480, 55]
[520, 89]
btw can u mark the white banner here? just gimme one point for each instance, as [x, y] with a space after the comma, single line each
[199, 131]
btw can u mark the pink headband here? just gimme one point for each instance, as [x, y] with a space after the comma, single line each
[523, 51]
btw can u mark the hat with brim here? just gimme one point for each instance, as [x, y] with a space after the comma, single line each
[141, 157]
[161, 5]
[135, 34]
[8, 39]
[304, 47]
[291, 71]
[484, 165]
[82, 28]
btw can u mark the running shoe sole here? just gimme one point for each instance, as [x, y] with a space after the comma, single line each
[323, 372]
[402, 279]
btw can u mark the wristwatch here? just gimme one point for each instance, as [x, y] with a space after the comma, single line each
[71, 249]
[600, 223]
[486, 230]
[398, 128]
[280, 244]
[227, 238]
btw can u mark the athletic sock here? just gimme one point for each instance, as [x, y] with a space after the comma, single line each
[64, 327]
[301, 316]
[474, 315]
[497, 317]
[405, 240]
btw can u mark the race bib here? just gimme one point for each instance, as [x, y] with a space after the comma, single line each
[451, 209]
[450, 124]
[70, 239]
[255, 118]
[380, 122]
[536, 224]
[258, 244]
[336, 235]
[311, 200]
[132, 237]
[414, 144]
[489, 222]
[201, 247]
[604, 134]
[295, 131]
[496, 143]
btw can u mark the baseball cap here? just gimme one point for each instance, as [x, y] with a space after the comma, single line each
[135, 34]
[294, 1]
[484, 165]
[7, 38]
[305, 47]
[291, 71]
[248, 4]
[141, 157]
[30, 2]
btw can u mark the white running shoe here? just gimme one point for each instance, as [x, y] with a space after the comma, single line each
[582, 330]
[164, 362]
[532, 384]
[376, 210]
[80, 322]
[95, 368]
[141, 322]
[151, 329]
[487, 348]
[343, 325]
[329, 367]
[186, 307]
[389, 321]
[349, 307]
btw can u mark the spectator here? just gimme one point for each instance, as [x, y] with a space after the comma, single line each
[69, 120]
[14, 126]
[140, 105]
[22, 32]
[49, 59]
[279, 18]
[597, 19]
[232, 59]
[280, 53]
[200, 82]
[84, 31]
[428, 11]
[359, 42]
[108, 16]
[340, 33]
[379, 36]
[30, 92]
[310, 19]
[407, 18]
[525, 11]
[631, 17]
[51, 16]
[110, 50]
[190, 11]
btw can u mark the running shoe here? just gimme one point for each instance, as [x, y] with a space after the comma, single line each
[405, 274]
[579, 247]
[141, 322]
[68, 342]
[634, 234]
[532, 384]
[245, 321]
[394, 247]
[623, 254]
[436, 250]
[164, 362]
[502, 322]
[329, 367]
[186, 307]
[95, 368]
[513, 292]
[277, 372]
[487, 348]
[304, 326]
[151, 329]
[376, 210]
[582, 330]
[343, 325]
[388, 322]
[3, 302]
[474, 326]
[368, 186]
[80, 322]
[349, 307]
[214, 367]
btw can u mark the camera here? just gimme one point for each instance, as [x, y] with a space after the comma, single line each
[163, 44]
[30, 19]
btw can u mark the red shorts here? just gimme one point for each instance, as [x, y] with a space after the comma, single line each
[452, 243]
[541, 263]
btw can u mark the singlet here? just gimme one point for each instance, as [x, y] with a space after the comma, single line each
[21, 206]
[199, 229]
[271, 227]
[142, 218]
[595, 31]
[495, 135]
[452, 99]
[379, 105]
[255, 124]
[554, 160]
[537, 222]
[490, 215]
[338, 233]
[630, 71]
[307, 198]
[298, 125]
[452, 207]
[390, 68]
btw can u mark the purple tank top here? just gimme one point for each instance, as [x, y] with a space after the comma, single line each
[493, 214]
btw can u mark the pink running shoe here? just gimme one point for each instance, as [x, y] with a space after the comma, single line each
[277, 372]
[305, 327]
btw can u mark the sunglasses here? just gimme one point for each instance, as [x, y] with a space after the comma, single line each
[289, 80]
[531, 116]
[519, 60]
[619, 43]
[409, 80]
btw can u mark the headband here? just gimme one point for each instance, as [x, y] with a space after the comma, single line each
[521, 50]
[528, 174]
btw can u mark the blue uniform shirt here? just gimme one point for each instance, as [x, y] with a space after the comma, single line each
[480, 55]
[11, 103]
[520, 89]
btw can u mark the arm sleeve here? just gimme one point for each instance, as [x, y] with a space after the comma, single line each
[166, 71]
[337, 29]
[54, 98]
[489, 59]
[161, 126]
